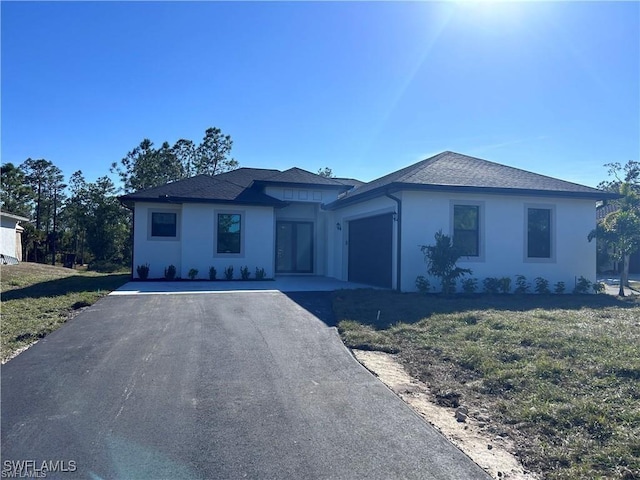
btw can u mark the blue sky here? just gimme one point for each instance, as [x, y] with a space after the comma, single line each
[363, 87]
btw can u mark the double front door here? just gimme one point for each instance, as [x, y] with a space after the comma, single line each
[294, 247]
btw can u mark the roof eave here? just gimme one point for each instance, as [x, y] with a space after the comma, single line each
[169, 199]
[396, 186]
[15, 217]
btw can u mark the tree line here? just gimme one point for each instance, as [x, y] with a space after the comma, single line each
[75, 221]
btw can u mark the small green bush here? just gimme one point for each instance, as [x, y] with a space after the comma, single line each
[505, 285]
[170, 272]
[522, 286]
[245, 273]
[491, 285]
[598, 287]
[260, 273]
[559, 288]
[212, 273]
[470, 285]
[143, 271]
[228, 273]
[582, 286]
[193, 273]
[542, 286]
[441, 261]
[422, 284]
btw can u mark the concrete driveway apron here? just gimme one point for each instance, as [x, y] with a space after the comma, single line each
[210, 385]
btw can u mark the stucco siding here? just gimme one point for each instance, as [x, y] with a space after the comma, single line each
[8, 237]
[157, 253]
[195, 244]
[503, 235]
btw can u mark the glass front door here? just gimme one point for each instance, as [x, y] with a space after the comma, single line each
[294, 247]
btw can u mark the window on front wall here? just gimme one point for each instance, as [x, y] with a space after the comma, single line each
[466, 229]
[539, 233]
[229, 233]
[163, 224]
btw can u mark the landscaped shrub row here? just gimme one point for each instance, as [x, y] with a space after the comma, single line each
[502, 285]
[170, 273]
[442, 257]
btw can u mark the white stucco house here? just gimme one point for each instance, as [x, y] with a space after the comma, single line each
[508, 221]
[11, 237]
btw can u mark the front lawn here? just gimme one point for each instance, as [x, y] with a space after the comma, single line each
[560, 375]
[37, 299]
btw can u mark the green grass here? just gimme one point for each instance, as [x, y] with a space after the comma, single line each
[558, 374]
[37, 299]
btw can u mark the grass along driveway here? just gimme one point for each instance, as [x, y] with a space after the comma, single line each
[37, 299]
[559, 375]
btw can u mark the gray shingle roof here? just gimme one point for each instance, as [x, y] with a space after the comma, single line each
[449, 171]
[298, 176]
[204, 188]
[246, 176]
[242, 185]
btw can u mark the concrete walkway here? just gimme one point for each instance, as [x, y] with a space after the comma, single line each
[612, 284]
[286, 284]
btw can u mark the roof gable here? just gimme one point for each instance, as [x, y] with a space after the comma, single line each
[299, 177]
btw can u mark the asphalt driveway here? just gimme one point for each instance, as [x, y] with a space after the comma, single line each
[229, 385]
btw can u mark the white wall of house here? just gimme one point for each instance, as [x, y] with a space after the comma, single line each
[8, 237]
[195, 244]
[502, 236]
[157, 253]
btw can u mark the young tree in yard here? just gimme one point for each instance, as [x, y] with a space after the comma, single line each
[620, 231]
[441, 260]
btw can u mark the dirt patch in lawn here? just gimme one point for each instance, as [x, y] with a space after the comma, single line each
[465, 428]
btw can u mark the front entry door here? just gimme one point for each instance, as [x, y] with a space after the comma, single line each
[294, 247]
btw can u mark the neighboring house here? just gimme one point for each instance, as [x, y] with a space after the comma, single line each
[11, 237]
[507, 220]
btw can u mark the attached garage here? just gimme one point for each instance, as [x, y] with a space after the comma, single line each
[371, 250]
